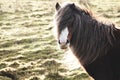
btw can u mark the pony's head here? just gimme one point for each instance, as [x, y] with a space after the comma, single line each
[63, 20]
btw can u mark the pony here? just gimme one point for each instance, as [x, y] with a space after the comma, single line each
[94, 42]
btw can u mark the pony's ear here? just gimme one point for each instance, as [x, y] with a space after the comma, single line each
[72, 5]
[57, 6]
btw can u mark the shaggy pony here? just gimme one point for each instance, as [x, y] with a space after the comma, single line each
[95, 43]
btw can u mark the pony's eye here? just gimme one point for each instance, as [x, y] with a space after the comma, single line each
[59, 41]
[67, 41]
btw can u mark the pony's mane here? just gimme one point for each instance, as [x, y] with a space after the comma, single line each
[91, 38]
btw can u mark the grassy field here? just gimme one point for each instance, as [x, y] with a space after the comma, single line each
[28, 49]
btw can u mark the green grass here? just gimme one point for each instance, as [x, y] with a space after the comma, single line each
[28, 49]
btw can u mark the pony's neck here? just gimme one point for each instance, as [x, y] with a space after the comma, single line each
[91, 39]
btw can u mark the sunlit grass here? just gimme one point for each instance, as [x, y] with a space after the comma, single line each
[28, 49]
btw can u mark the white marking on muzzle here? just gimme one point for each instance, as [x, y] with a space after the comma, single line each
[63, 36]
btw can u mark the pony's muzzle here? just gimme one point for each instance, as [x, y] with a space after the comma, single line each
[64, 42]
[64, 45]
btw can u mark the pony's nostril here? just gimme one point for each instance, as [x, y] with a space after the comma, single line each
[67, 41]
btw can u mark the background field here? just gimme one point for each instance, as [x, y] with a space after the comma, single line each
[28, 49]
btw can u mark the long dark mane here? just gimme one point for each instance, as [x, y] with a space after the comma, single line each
[91, 39]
